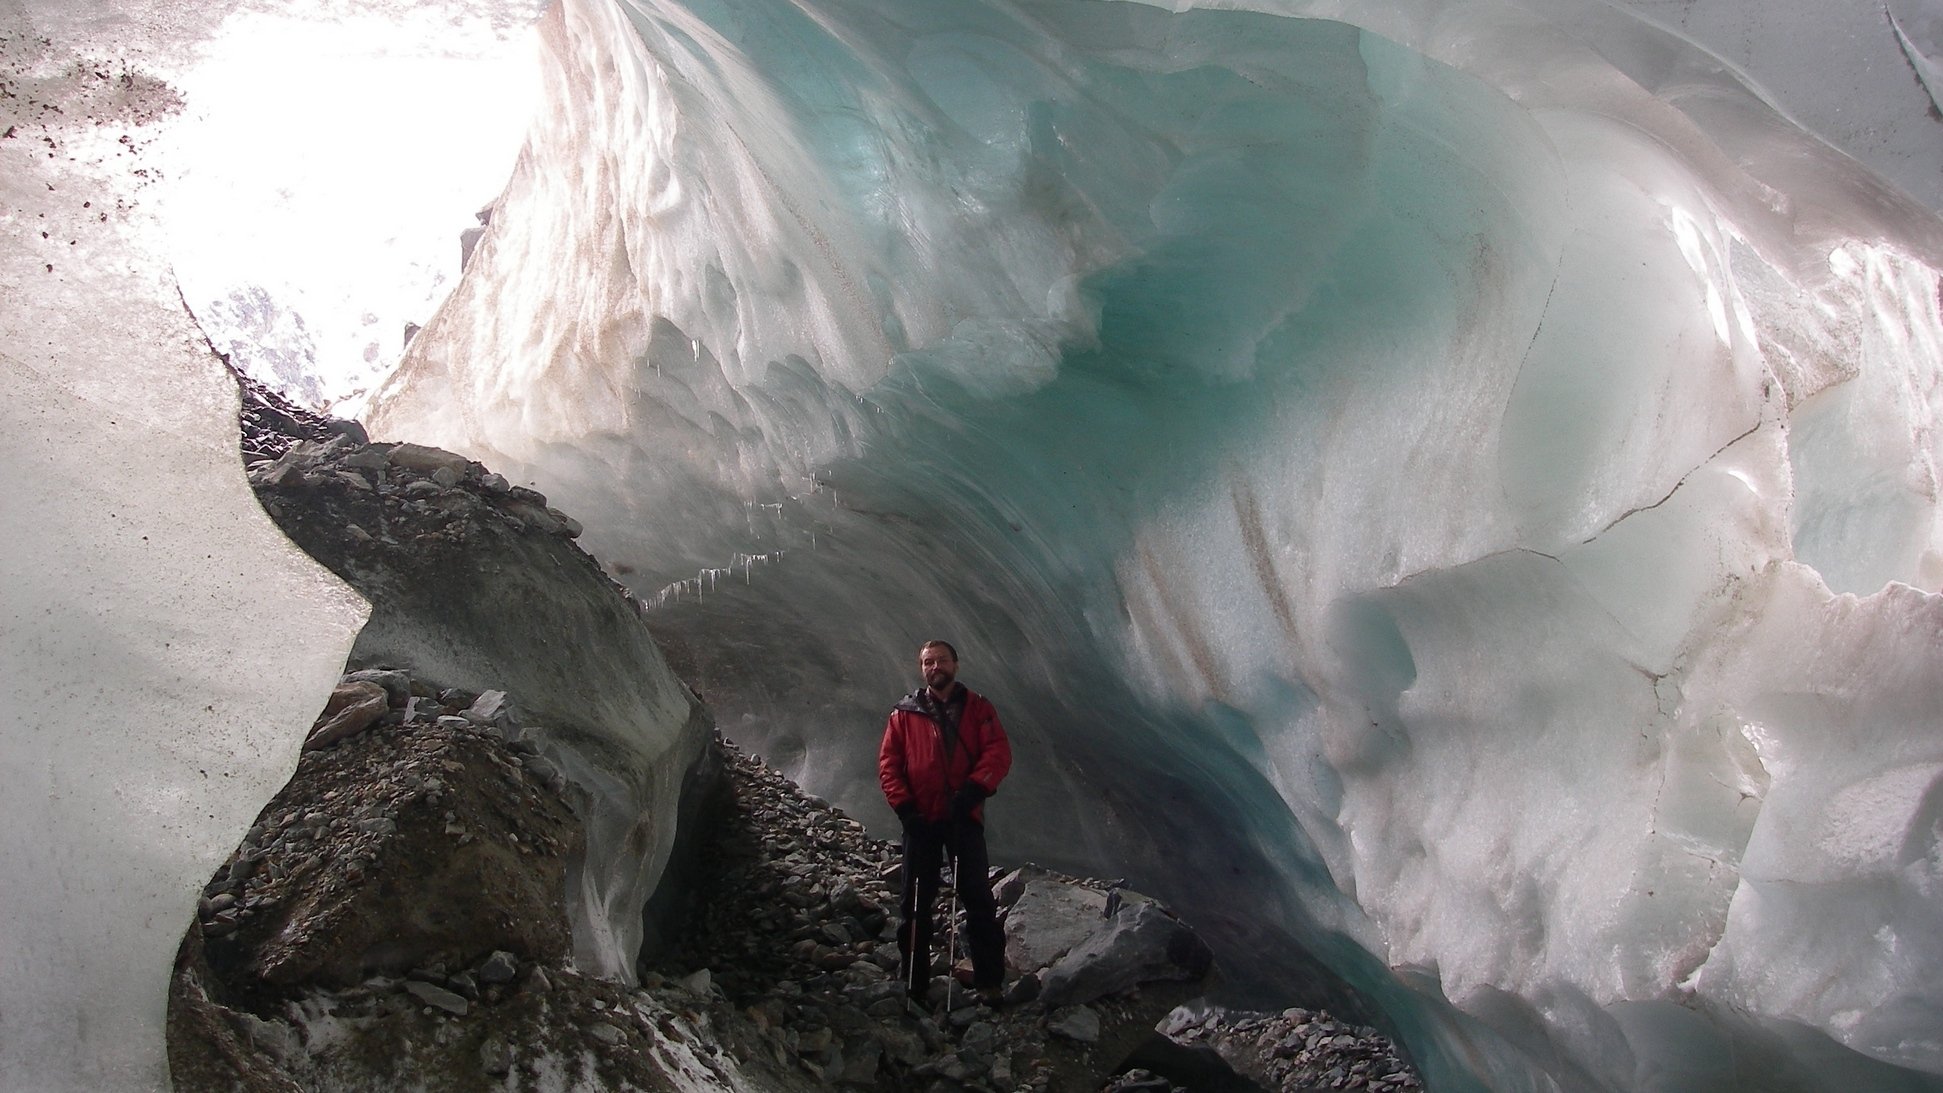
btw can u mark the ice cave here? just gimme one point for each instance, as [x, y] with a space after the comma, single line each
[1446, 492]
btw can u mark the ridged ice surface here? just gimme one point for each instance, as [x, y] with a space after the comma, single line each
[1450, 485]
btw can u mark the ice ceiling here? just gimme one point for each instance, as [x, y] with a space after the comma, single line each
[1450, 488]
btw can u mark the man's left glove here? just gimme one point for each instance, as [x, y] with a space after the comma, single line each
[965, 800]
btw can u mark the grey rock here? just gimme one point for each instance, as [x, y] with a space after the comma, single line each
[861, 1060]
[352, 708]
[1011, 886]
[537, 517]
[1077, 1023]
[1048, 918]
[963, 1066]
[397, 685]
[348, 429]
[885, 1009]
[569, 526]
[500, 967]
[543, 769]
[1144, 943]
[372, 458]
[274, 1038]
[489, 708]
[495, 1057]
[425, 459]
[276, 475]
[438, 997]
[979, 1036]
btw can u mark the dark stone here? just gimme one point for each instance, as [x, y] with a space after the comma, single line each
[1144, 943]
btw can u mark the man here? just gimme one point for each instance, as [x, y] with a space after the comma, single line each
[943, 753]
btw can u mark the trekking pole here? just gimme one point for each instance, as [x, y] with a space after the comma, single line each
[906, 957]
[951, 958]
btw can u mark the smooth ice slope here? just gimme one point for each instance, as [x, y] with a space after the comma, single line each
[1462, 497]
[164, 646]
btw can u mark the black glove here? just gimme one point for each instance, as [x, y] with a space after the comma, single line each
[965, 800]
[909, 816]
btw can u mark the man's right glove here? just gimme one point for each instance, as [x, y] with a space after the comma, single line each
[909, 816]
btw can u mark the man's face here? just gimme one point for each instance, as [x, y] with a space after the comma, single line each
[938, 668]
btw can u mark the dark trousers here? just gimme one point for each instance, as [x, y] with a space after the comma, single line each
[925, 846]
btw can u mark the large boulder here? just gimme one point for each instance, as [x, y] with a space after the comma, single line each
[1139, 942]
[410, 844]
[1047, 917]
[476, 583]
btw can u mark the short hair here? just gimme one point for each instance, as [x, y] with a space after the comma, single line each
[934, 643]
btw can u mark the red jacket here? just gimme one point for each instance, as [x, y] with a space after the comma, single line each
[912, 766]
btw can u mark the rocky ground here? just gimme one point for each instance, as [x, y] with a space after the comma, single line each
[396, 917]
[797, 933]
[394, 920]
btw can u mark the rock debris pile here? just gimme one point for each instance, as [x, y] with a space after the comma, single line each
[1295, 1049]
[396, 919]
[797, 932]
[378, 814]
[403, 483]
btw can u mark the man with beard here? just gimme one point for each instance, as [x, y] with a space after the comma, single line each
[943, 753]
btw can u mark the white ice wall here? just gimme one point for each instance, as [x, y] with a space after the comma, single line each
[164, 647]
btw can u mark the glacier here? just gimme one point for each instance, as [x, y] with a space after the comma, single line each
[1449, 488]
[1444, 493]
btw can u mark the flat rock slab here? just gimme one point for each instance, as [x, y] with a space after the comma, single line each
[1050, 917]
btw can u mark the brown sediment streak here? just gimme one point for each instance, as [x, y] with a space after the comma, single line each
[1248, 517]
[1140, 616]
[1198, 652]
